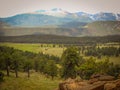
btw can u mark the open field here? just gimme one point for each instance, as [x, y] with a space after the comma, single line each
[35, 82]
[36, 48]
[49, 49]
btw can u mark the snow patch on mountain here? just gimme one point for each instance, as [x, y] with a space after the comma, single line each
[58, 12]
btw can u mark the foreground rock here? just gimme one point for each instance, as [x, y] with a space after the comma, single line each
[114, 85]
[97, 82]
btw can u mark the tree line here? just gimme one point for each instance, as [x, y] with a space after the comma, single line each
[13, 60]
[103, 51]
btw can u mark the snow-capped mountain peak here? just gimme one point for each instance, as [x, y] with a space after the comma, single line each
[56, 9]
[58, 12]
[40, 11]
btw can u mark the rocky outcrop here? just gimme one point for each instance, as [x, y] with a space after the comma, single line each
[99, 77]
[114, 85]
[96, 82]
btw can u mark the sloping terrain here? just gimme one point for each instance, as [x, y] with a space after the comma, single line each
[76, 29]
[102, 28]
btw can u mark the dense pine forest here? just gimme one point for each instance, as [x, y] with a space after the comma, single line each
[54, 39]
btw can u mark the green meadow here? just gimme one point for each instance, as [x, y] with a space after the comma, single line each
[36, 81]
[50, 49]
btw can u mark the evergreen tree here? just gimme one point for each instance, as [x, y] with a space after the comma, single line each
[70, 60]
[51, 69]
[7, 59]
[28, 66]
[16, 61]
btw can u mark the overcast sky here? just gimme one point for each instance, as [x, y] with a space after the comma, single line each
[13, 7]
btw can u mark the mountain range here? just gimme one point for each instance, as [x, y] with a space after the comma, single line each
[56, 16]
[61, 22]
[103, 16]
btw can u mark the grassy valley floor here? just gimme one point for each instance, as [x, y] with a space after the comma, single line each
[35, 82]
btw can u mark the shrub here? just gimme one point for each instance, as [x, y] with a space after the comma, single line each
[1, 76]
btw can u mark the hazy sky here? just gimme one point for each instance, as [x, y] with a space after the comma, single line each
[12, 7]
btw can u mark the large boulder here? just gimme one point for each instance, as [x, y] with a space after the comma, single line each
[83, 85]
[91, 81]
[97, 82]
[110, 86]
[114, 85]
[96, 86]
[95, 76]
[98, 77]
[106, 78]
[72, 84]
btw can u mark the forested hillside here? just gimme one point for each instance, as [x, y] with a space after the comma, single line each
[59, 39]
